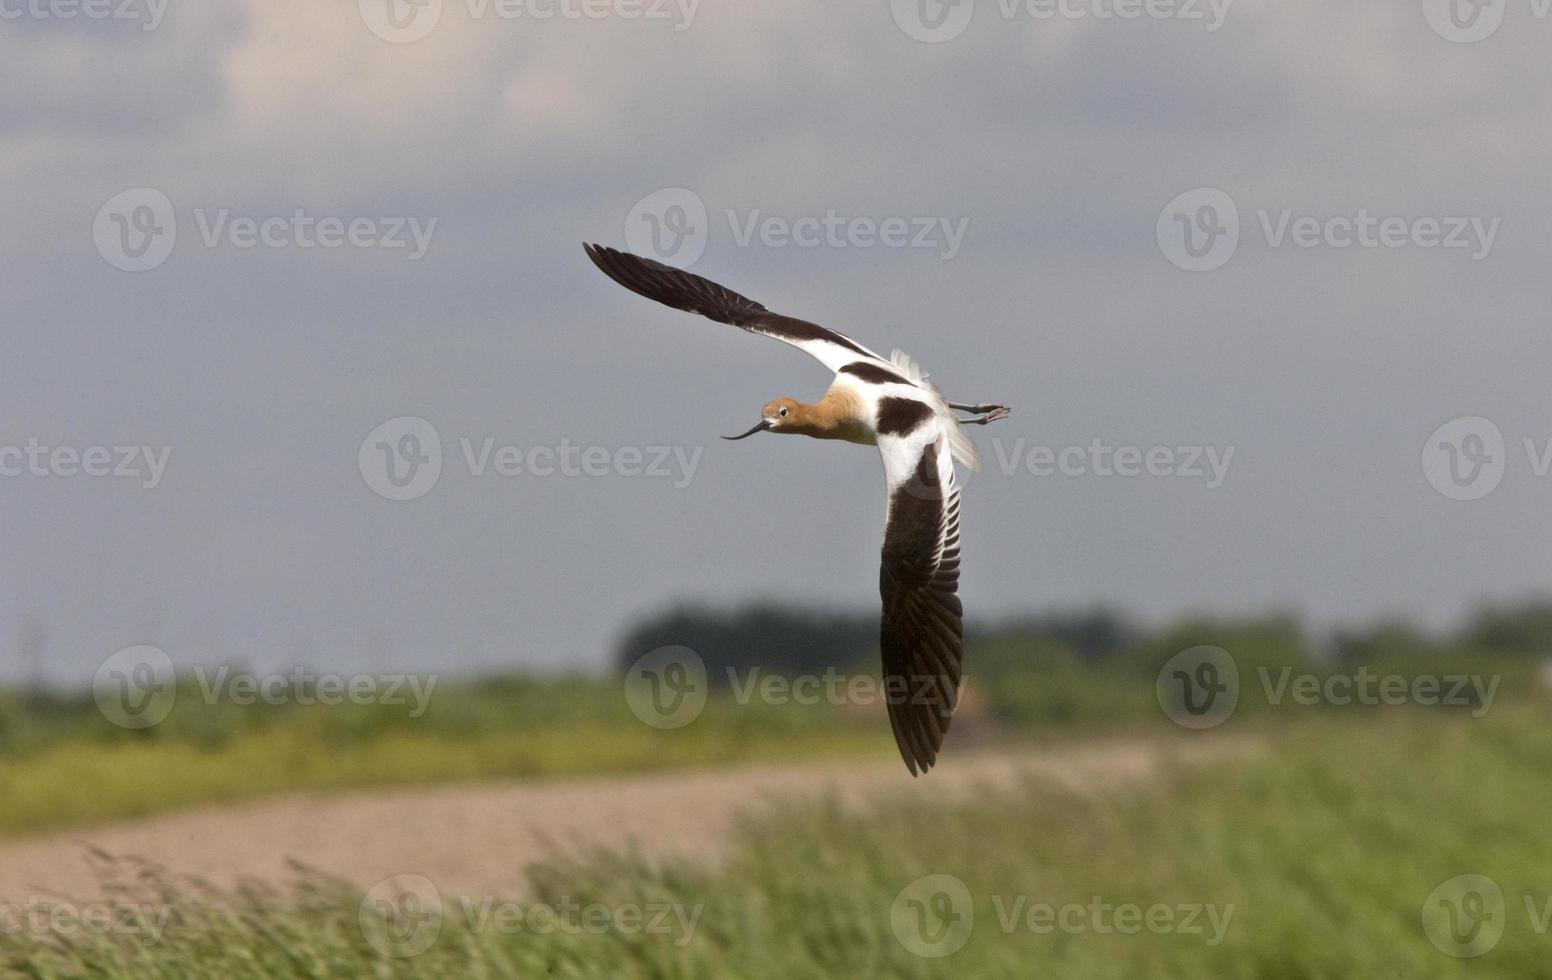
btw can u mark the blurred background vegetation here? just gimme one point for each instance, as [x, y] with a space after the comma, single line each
[62, 763]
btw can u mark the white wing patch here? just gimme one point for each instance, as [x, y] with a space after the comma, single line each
[960, 445]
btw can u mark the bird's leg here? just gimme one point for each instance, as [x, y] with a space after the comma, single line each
[987, 413]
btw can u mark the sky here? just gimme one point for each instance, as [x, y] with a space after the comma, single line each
[303, 362]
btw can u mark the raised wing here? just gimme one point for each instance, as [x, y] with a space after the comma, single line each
[693, 294]
[921, 633]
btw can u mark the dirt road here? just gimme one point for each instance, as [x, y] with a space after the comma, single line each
[478, 839]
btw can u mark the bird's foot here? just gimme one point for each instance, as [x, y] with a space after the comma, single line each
[987, 413]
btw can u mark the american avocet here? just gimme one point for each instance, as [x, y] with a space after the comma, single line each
[875, 402]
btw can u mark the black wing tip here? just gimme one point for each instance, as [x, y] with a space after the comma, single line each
[915, 737]
[635, 272]
[601, 254]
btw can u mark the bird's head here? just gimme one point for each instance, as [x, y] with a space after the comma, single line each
[779, 415]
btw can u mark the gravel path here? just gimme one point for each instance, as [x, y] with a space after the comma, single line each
[477, 839]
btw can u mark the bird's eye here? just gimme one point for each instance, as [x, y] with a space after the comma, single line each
[782, 413]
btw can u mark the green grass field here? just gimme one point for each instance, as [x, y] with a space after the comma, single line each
[62, 764]
[1313, 860]
[1336, 852]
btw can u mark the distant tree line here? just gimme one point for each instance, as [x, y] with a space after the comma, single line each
[790, 640]
[794, 640]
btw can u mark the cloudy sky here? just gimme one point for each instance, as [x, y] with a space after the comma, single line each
[257, 252]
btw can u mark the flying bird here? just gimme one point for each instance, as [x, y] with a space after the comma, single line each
[874, 401]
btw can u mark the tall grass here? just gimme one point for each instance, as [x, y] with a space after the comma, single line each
[1325, 848]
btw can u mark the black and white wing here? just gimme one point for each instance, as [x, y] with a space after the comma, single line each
[921, 633]
[694, 294]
